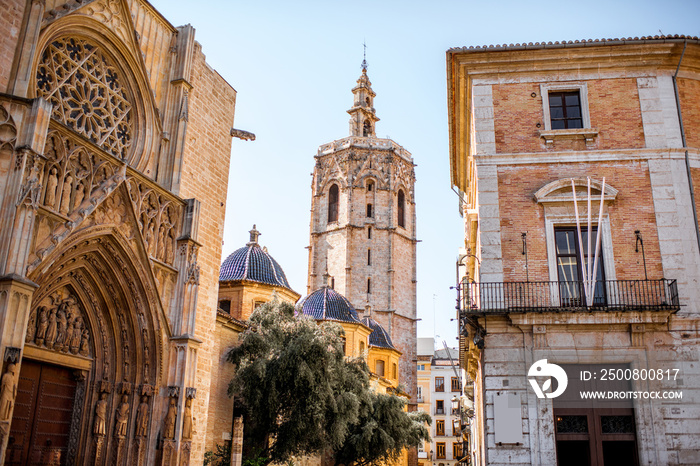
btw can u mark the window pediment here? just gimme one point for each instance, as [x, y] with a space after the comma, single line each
[559, 191]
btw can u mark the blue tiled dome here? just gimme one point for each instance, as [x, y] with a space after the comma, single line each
[327, 304]
[254, 264]
[379, 337]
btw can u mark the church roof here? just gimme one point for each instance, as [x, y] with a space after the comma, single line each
[253, 263]
[379, 336]
[327, 304]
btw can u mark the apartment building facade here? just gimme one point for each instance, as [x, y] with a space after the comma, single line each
[578, 164]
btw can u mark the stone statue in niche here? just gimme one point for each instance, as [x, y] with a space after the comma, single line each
[169, 423]
[150, 237]
[142, 418]
[8, 391]
[100, 425]
[79, 194]
[65, 198]
[187, 420]
[122, 417]
[51, 185]
[161, 243]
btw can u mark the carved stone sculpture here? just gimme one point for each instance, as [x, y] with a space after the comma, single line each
[51, 330]
[122, 417]
[65, 198]
[84, 348]
[8, 391]
[62, 328]
[31, 327]
[43, 325]
[169, 423]
[79, 194]
[51, 185]
[74, 337]
[100, 425]
[142, 418]
[187, 420]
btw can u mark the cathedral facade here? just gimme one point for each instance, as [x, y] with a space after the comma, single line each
[363, 237]
[112, 206]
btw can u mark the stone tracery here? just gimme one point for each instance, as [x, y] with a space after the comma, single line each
[87, 92]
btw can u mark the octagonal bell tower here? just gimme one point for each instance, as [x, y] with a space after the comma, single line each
[363, 227]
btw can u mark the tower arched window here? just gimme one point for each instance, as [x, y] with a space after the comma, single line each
[366, 128]
[401, 209]
[333, 204]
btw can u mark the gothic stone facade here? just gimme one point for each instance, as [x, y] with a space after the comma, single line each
[112, 206]
[363, 228]
[526, 123]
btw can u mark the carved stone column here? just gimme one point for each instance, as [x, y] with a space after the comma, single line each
[237, 442]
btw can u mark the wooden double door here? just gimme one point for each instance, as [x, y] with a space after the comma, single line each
[43, 413]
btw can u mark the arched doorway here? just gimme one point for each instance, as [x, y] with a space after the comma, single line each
[92, 356]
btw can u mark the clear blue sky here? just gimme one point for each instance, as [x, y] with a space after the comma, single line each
[294, 63]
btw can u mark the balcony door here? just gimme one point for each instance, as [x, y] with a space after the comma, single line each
[570, 262]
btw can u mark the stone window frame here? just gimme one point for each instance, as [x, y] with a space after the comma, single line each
[559, 212]
[550, 135]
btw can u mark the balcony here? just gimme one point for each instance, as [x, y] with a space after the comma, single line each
[439, 410]
[609, 295]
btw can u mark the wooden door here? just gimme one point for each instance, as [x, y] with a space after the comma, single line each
[41, 421]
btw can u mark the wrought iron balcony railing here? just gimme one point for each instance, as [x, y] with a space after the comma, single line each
[608, 295]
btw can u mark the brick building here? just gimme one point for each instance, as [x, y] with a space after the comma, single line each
[115, 138]
[540, 136]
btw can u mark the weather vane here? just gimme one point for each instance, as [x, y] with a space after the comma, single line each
[364, 57]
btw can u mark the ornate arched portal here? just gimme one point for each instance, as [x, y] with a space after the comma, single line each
[95, 319]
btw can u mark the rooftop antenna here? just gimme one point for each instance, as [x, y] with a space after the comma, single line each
[364, 56]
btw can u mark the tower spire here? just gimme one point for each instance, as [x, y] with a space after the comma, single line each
[362, 114]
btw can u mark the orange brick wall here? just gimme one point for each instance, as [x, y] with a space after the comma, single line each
[10, 24]
[516, 114]
[205, 171]
[689, 93]
[632, 210]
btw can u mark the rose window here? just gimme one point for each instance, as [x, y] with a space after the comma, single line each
[87, 93]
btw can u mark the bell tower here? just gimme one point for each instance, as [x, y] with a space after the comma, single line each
[363, 227]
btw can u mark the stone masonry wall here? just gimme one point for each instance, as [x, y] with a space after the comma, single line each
[205, 171]
[516, 114]
[10, 24]
[633, 209]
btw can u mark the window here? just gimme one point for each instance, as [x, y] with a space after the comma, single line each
[394, 371]
[369, 257]
[257, 304]
[333, 204]
[440, 427]
[419, 394]
[366, 128]
[421, 367]
[565, 110]
[225, 305]
[570, 263]
[369, 210]
[379, 368]
[401, 209]
[440, 450]
[369, 232]
[362, 347]
[456, 450]
[369, 286]
[456, 385]
[439, 384]
[439, 407]
[370, 186]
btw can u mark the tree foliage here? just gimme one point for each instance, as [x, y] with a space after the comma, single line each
[303, 397]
